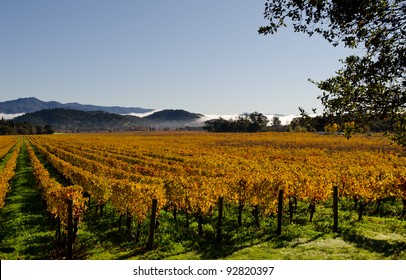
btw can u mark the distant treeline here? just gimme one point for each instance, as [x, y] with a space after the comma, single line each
[8, 127]
[253, 122]
[321, 123]
[257, 122]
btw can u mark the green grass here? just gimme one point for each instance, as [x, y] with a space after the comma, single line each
[373, 238]
[27, 233]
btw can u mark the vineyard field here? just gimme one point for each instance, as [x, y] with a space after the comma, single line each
[176, 195]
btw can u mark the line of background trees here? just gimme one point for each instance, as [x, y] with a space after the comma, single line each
[8, 127]
[253, 122]
[257, 122]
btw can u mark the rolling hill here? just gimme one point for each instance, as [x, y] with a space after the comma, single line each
[86, 121]
[32, 104]
[76, 120]
[79, 117]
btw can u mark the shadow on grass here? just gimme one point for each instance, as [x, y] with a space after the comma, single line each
[43, 248]
[212, 250]
[171, 238]
[389, 248]
[175, 240]
[203, 247]
[101, 230]
[7, 250]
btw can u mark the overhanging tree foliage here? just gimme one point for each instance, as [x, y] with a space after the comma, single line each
[370, 85]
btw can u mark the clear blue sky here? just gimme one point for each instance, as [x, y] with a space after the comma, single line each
[202, 56]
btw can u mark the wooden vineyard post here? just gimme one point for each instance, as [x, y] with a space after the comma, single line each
[280, 212]
[200, 223]
[69, 249]
[290, 209]
[312, 208]
[220, 220]
[240, 208]
[335, 208]
[101, 209]
[58, 228]
[150, 243]
[361, 210]
[87, 195]
[128, 223]
[120, 218]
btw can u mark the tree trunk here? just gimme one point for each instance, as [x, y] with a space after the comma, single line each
[312, 208]
[120, 220]
[69, 245]
[200, 224]
[335, 208]
[255, 213]
[240, 208]
[175, 214]
[101, 209]
[280, 212]
[361, 210]
[220, 221]
[137, 236]
[150, 243]
[356, 202]
[187, 220]
[291, 209]
[58, 228]
[128, 224]
[378, 205]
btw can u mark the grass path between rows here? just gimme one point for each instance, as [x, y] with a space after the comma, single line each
[25, 232]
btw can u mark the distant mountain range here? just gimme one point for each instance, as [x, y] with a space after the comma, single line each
[76, 120]
[79, 117]
[32, 104]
